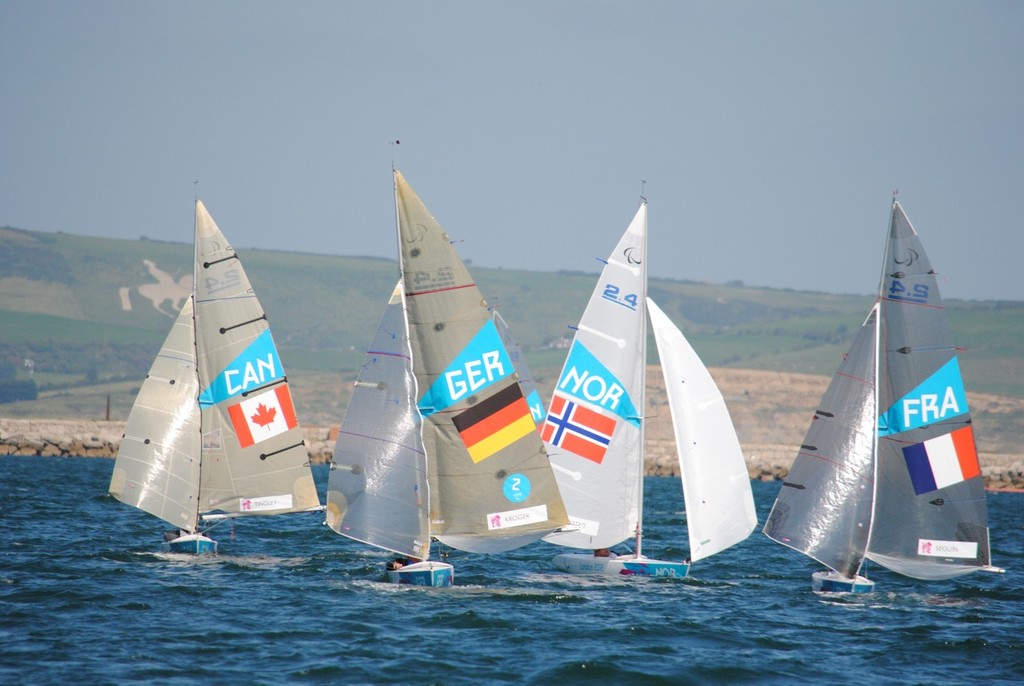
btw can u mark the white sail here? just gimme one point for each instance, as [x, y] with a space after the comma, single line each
[223, 429]
[377, 490]
[824, 507]
[157, 464]
[716, 486]
[594, 428]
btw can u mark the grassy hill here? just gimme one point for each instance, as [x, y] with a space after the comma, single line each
[91, 314]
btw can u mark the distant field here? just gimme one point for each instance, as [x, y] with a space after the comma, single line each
[91, 310]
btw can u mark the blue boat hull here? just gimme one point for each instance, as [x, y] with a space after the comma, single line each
[833, 582]
[428, 573]
[192, 544]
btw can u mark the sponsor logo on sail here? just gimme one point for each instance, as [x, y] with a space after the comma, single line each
[516, 488]
[587, 527]
[269, 502]
[942, 461]
[495, 423]
[513, 518]
[966, 550]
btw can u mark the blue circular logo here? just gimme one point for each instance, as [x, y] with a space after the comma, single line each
[516, 488]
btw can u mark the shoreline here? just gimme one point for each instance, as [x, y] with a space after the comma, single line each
[95, 438]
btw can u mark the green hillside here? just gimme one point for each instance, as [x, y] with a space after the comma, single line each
[93, 311]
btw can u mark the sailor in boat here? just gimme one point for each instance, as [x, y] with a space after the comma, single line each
[604, 552]
[401, 561]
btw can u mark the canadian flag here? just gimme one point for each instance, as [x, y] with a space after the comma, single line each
[263, 416]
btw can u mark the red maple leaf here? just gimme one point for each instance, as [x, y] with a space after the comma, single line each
[264, 415]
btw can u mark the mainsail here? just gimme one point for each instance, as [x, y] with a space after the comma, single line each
[594, 428]
[491, 486]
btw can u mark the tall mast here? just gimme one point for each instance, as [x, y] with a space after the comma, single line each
[642, 405]
[195, 349]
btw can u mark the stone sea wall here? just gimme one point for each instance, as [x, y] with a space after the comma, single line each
[84, 438]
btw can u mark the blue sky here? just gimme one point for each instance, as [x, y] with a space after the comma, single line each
[771, 135]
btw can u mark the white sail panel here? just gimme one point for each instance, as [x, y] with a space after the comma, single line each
[377, 491]
[157, 465]
[824, 507]
[716, 485]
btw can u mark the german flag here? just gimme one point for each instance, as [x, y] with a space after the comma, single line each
[495, 423]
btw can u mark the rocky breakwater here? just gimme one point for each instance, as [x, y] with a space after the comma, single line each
[87, 438]
[90, 438]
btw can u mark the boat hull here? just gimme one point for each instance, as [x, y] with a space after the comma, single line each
[833, 582]
[427, 573]
[195, 544]
[619, 565]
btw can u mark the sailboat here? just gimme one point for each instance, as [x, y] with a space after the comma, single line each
[888, 470]
[213, 433]
[438, 442]
[594, 429]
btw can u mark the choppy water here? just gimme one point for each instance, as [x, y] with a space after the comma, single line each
[86, 598]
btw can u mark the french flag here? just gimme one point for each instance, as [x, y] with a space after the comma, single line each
[942, 461]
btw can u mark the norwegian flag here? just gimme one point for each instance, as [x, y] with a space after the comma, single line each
[578, 429]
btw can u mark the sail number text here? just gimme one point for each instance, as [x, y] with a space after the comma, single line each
[917, 294]
[613, 293]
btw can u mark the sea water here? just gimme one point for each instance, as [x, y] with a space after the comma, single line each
[86, 596]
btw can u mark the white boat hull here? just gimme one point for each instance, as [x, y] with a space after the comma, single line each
[427, 573]
[619, 565]
[833, 582]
